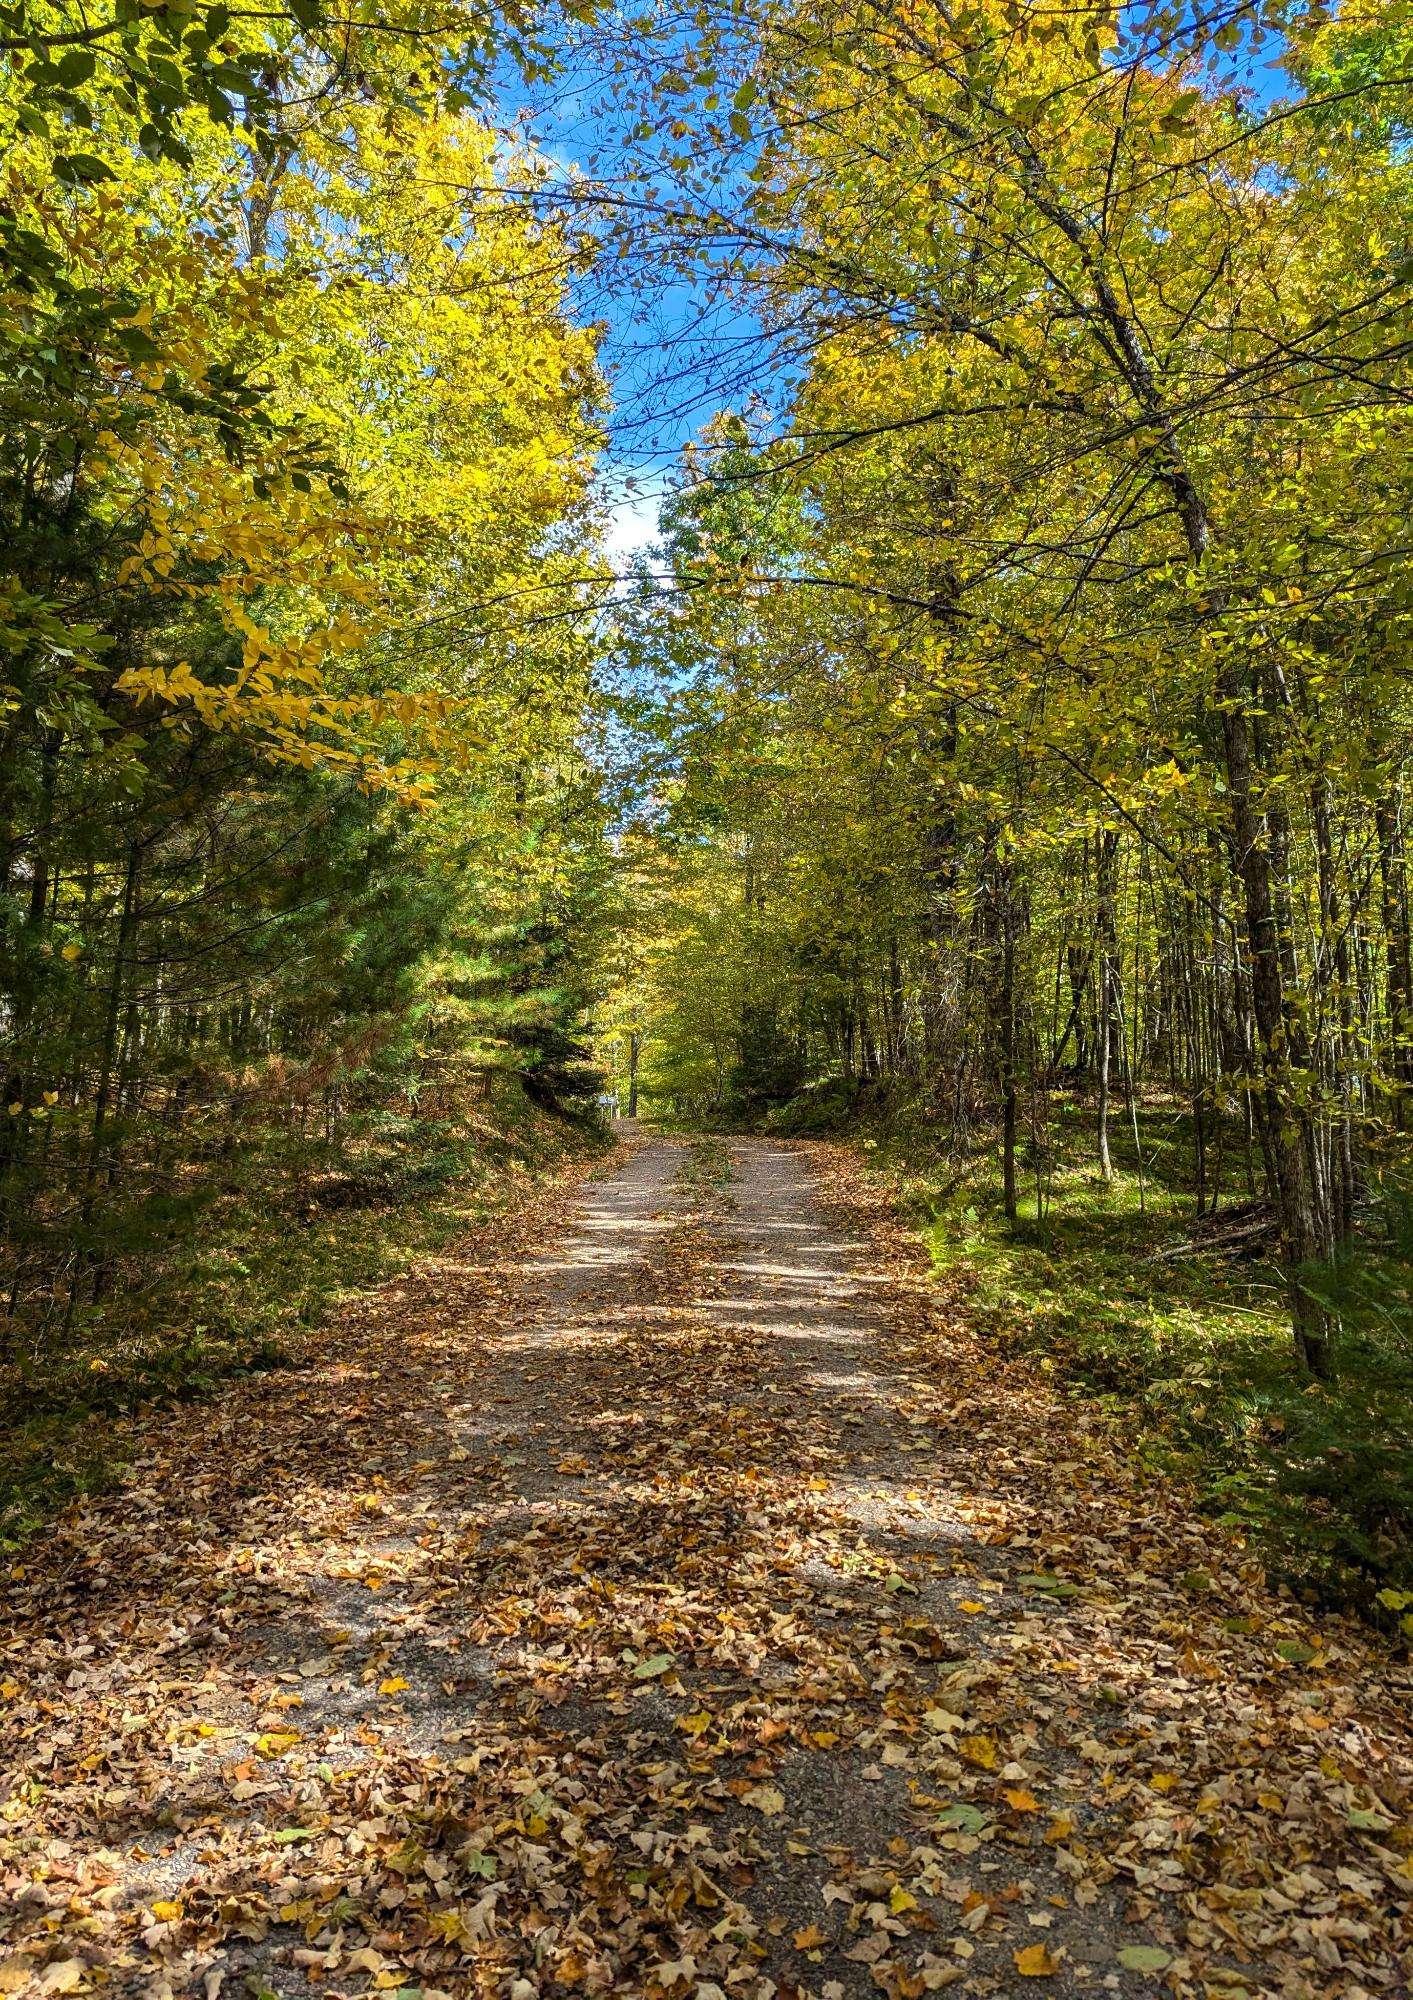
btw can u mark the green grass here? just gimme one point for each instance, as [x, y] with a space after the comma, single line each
[1129, 1302]
[708, 1166]
[243, 1295]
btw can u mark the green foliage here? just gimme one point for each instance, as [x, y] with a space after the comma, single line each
[1136, 1304]
[829, 1105]
[301, 848]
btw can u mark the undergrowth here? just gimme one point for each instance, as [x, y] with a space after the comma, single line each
[1130, 1300]
[253, 1284]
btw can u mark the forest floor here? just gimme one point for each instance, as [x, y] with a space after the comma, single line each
[242, 1281]
[1180, 1326]
[660, 1594]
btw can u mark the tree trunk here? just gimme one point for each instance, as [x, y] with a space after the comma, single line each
[1004, 912]
[1281, 1052]
[1398, 975]
[1106, 857]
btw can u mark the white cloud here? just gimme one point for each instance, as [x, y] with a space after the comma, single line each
[632, 527]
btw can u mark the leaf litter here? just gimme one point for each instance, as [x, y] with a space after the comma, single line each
[663, 1595]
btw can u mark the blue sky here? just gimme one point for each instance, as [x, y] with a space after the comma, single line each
[675, 349]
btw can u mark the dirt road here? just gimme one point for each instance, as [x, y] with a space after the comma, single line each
[661, 1600]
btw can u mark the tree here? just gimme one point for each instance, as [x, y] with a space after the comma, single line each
[1101, 406]
[268, 731]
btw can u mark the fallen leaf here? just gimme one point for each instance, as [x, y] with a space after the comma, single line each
[1052, 1586]
[62, 1976]
[1145, 1958]
[275, 1742]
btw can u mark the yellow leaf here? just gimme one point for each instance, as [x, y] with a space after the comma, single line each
[62, 1976]
[979, 1750]
[167, 1912]
[810, 1938]
[970, 1604]
[275, 1742]
[1163, 1782]
[1022, 1801]
[694, 1725]
[395, 1685]
[1036, 1962]
[900, 1900]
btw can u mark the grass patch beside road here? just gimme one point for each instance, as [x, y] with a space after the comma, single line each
[1179, 1327]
